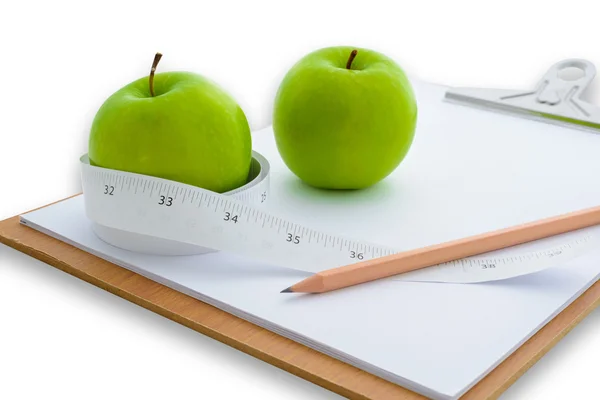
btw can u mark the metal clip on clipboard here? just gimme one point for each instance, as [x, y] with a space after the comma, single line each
[556, 99]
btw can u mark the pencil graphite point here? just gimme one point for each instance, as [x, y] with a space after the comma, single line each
[288, 290]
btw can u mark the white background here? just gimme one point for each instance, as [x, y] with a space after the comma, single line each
[63, 338]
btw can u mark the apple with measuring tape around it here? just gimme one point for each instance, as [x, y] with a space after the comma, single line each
[174, 125]
[344, 118]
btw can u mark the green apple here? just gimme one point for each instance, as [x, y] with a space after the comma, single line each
[344, 117]
[174, 125]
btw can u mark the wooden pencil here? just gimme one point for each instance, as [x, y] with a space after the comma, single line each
[407, 261]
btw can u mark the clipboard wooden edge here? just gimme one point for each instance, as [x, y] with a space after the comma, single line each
[267, 346]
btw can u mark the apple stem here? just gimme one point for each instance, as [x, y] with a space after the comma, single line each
[157, 58]
[351, 58]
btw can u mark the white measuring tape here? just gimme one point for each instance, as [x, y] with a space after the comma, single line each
[239, 222]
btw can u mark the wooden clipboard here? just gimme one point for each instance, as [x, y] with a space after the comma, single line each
[267, 346]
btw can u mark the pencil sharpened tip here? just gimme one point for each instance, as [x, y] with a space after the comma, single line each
[288, 290]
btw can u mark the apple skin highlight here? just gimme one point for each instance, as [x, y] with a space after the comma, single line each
[344, 128]
[191, 131]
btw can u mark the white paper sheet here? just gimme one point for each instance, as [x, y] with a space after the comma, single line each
[469, 172]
